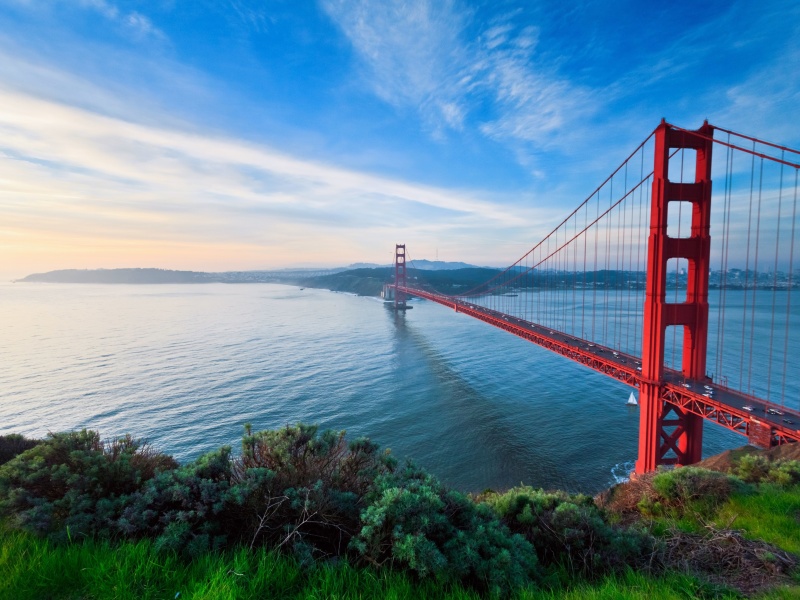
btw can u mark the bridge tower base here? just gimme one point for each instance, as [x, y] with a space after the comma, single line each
[669, 435]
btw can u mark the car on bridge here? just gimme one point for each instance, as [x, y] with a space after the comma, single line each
[748, 408]
[774, 411]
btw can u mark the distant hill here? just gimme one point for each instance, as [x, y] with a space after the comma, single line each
[370, 282]
[422, 264]
[438, 265]
[150, 276]
[364, 282]
[134, 276]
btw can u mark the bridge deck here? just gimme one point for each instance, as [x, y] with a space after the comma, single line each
[731, 409]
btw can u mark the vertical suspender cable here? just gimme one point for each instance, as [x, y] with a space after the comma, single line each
[594, 278]
[747, 269]
[574, 274]
[642, 238]
[723, 288]
[583, 295]
[755, 277]
[789, 290]
[775, 281]
[607, 317]
[620, 212]
[628, 304]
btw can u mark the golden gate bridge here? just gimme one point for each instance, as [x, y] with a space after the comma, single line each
[623, 285]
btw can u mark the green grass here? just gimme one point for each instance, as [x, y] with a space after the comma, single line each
[772, 515]
[633, 586]
[31, 568]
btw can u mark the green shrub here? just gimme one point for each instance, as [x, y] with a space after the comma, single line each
[757, 468]
[416, 523]
[570, 531]
[752, 468]
[74, 483]
[694, 489]
[13, 444]
[785, 472]
[187, 509]
[303, 490]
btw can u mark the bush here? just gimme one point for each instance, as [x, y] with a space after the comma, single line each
[303, 490]
[414, 522]
[694, 488]
[13, 444]
[76, 484]
[757, 468]
[571, 532]
[185, 509]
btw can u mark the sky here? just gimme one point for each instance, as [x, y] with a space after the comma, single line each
[218, 135]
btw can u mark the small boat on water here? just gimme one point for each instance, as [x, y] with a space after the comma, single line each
[632, 400]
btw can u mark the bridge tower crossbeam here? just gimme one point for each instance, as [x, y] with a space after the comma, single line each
[669, 434]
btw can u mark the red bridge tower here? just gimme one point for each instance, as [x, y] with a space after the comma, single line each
[399, 276]
[668, 434]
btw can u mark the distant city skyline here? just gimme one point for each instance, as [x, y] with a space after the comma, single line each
[239, 134]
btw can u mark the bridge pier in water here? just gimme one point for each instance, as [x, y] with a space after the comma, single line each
[669, 435]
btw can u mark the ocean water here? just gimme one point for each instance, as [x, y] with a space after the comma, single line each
[185, 366]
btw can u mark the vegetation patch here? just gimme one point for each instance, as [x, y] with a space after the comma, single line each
[415, 522]
[693, 511]
[311, 505]
[13, 444]
[75, 484]
[571, 532]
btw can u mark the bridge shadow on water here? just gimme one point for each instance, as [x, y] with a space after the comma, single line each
[468, 438]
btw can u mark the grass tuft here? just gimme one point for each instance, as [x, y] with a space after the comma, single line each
[772, 515]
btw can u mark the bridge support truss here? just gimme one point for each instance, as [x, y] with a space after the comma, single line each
[669, 434]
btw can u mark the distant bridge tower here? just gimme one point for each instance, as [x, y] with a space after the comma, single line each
[399, 276]
[668, 434]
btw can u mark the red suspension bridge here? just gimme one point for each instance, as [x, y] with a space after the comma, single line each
[690, 295]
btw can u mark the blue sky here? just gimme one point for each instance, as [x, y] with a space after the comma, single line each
[243, 134]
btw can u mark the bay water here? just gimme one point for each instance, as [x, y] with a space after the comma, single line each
[186, 366]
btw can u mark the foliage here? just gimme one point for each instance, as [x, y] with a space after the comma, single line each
[757, 468]
[184, 509]
[304, 490]
[76, 484]
[571, 532]
[292, 488]
[687, 490]
[317, 496]
[13, 444]
[415, 522]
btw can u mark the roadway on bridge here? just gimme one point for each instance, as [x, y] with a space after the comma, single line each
[754, 407]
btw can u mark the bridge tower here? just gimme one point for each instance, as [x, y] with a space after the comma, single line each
[399, 276]
[668, 434]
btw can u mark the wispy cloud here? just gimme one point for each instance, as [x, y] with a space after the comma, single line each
[256, 18]
[133, 23]
[413, 52]
[65, 169]
[428, 56]
[767, 100]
